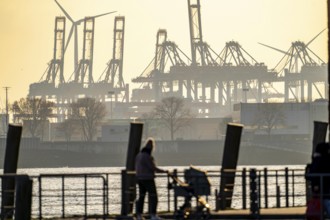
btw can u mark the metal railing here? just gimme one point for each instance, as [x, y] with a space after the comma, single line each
[275, 188]
[72, 194]
[99, 194]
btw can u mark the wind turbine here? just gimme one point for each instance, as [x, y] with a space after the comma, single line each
[295, 53]
[74, 28]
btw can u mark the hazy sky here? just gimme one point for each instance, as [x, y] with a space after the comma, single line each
[27, 31]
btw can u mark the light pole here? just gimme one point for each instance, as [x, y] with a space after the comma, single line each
[110, 93]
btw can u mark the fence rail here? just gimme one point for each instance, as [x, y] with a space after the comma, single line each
[99, 194]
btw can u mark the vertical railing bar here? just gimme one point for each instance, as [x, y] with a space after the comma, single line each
[40, 198]
[293, 188]
[259, 187]
[175, 174]
[107, 194]
[168, 194]
[286, 187]
[244, 188]
[104, 198]
[266, 188]
[278, 196]
[85, 194]
[63, 197]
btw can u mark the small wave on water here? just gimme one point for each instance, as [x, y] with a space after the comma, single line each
[74, 170]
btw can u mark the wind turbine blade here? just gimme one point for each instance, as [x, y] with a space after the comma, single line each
[281, 51]
[315, 37]
[78, 22]
[96, 16]
[69, 37]
[63, 10]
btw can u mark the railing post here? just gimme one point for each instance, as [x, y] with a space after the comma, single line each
[124, 196]
[286, 187]
[175, 174]
[221, 201]
[259, 187]
[40, 198]
[106, 194]
[254, 203]
[266, 186]
[168, 194]
[23, 198]
[85, 194]
[244, 188]
[278, 196]
[278, 193]
[293, 188]
[63, 198]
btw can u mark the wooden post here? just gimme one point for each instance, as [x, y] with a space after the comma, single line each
[229, 162]
[134, 144]
[319, 133]
[10, 167]
[128, 175]
[23, 198]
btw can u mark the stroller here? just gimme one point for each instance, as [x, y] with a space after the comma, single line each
[196, 185]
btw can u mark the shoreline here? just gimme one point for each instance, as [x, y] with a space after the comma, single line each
[175, 153]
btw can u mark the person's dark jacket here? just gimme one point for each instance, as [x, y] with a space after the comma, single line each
[320, 165]
[145, 166]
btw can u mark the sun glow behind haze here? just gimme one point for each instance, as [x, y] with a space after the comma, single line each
[27, 32]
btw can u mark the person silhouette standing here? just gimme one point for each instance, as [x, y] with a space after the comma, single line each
[146, 168]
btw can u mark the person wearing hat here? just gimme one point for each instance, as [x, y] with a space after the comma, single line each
[146, 168]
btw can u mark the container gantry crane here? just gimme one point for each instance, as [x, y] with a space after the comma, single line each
[54, 74]
[112, 80]
[156, 82]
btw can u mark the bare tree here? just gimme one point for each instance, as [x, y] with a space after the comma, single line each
[67, 128]
[173, 114]
[270, 116]
[33, 112]
[89, 113]
[147, 119]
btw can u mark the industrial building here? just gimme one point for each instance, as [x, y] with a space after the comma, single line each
[290, 120]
